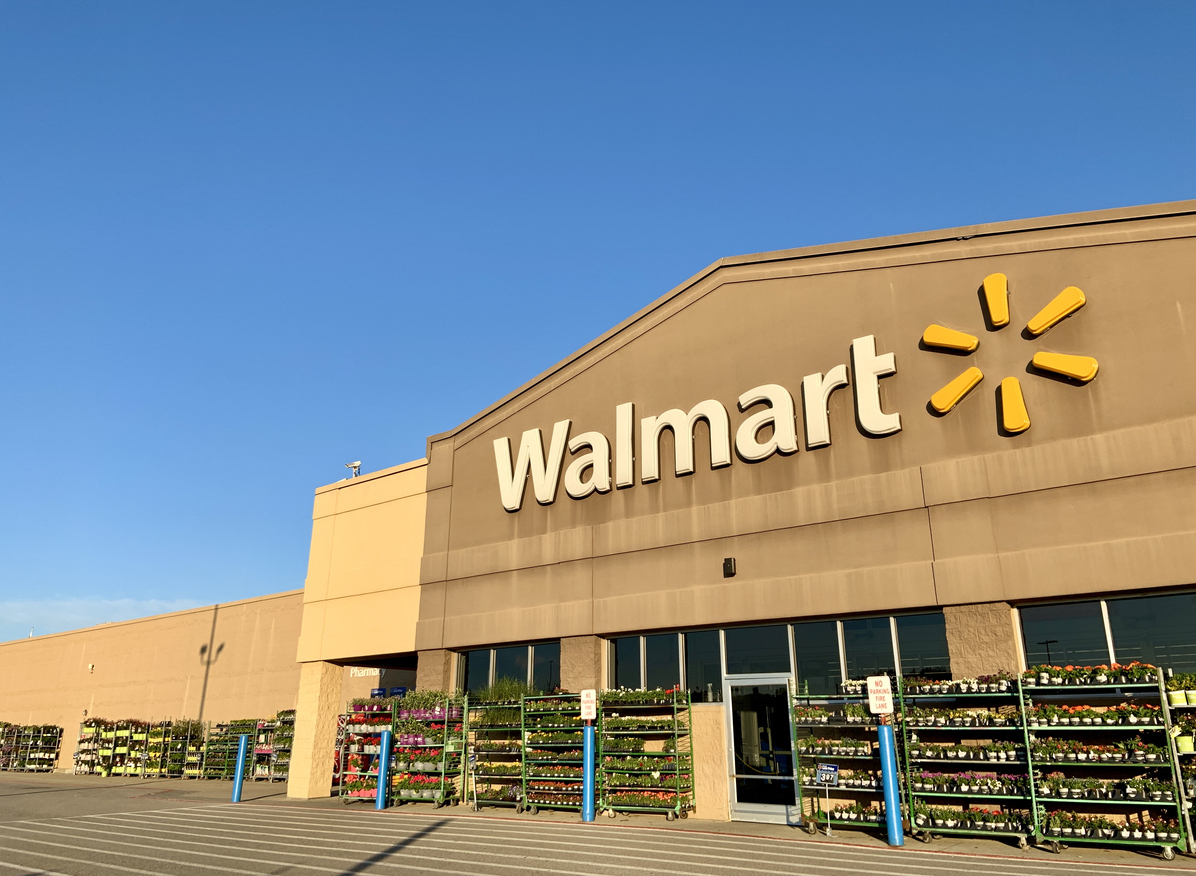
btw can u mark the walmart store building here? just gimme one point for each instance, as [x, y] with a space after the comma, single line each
[947, 453]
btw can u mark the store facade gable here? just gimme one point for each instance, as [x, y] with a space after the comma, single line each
[603, 529]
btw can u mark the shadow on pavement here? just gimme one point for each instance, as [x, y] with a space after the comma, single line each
[75, 789]
[362, 866]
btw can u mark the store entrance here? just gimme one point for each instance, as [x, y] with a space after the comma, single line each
[761, 749]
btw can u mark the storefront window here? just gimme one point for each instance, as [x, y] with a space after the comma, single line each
[1155, 629]
[922, 644]
[816, 652]
[625, 662]
[703, 667]
[511, 663]
[662, 661]
[757, 649]
[546, 675]
[1058, 635]
[477, 670]
[868, 644]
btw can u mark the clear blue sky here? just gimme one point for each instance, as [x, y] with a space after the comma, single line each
[242, 244]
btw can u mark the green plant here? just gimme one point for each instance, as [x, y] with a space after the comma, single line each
[627, 695]
[504, 690]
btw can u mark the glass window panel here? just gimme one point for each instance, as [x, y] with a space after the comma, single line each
[625, 662]
[477, 670]
[757, 649]
[703, 667]
[1155, 629]
[662, 662]
[511, 663]
[922, 644]
[1058, 635]
[546, 662]
[868, 643]
[816, 649]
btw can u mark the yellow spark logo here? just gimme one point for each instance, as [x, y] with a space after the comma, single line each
[1014, 415]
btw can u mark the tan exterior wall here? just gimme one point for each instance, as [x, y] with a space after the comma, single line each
[155, 667]
[949, 511]
[361, 597]
[982, 639]
[711, 791]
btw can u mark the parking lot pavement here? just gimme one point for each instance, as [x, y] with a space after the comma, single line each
[170, 828]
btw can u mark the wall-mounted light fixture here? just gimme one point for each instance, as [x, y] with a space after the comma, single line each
[729, 567]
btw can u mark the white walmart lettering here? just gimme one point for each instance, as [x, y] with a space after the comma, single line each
[867, 368]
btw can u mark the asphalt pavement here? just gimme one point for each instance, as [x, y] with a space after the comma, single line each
[88, 825]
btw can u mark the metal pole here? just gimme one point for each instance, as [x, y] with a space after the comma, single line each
[239, 777]
[888, 766]
[587, 781]
[383, 771]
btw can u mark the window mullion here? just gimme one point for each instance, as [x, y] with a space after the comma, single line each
[1104, 613]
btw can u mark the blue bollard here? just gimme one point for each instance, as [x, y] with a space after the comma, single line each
[239, 778]
[587, 780]
[888, 766]
[383, 771]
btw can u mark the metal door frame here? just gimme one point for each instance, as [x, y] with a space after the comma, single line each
[759, 812]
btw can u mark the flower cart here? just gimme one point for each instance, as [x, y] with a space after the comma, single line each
[842, 731]
[496, 746]
[552, 759]
[964, 744]
[1103, 768]
[428, 748]
[645, 752]
[357, 759]
[220, 750]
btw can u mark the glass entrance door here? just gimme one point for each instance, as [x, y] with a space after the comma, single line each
[761, 749]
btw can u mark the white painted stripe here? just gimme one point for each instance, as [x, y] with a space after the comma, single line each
[89, 863]
[720, 860]
[881, 857]
[28, 871]
[518, 831]
[341, 859]
[738, 839]
[676, 850]
[454, 843]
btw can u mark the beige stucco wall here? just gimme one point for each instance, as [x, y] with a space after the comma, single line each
[947, 512]
[361, 597]
[154, 668]
[709, 740]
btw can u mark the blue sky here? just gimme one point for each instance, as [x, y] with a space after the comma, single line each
[242, 244]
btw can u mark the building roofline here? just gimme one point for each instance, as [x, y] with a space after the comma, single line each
[112, 625]
[373, 475]
[899, 241]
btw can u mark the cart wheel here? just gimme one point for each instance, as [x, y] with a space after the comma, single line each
[1022, 844]
[685, 813]
[518, 808]
[1168, 853]
[812, 827]
[670, 815]
[1054, 846]
[610, 813]
[477, 807]
[924, 836]
[532, 809]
